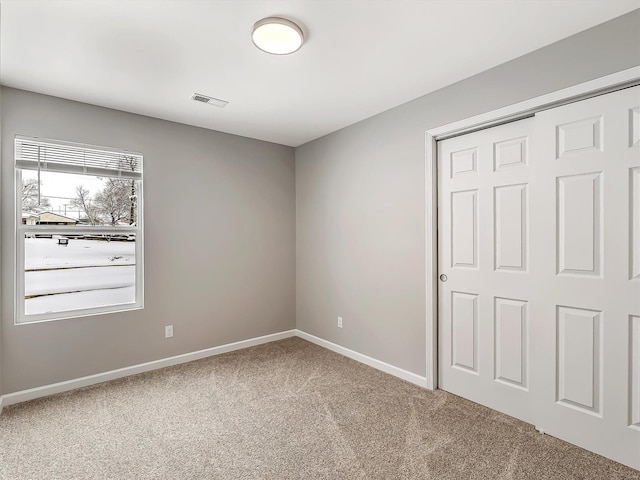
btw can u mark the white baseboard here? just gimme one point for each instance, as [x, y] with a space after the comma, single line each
[46, 390]
[359, 357]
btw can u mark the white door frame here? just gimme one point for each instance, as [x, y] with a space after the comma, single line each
[528, 108]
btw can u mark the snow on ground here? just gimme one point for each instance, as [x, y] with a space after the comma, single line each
[75, 301]
[41, 253]
[84, 274]
[47, 282]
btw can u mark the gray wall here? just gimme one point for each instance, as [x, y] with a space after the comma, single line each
[360, 196]
[219, 243]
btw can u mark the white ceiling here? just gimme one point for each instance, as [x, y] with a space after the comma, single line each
[359, 59]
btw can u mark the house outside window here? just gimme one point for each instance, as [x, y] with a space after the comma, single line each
[79, 228]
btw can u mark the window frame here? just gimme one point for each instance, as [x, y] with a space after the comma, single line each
[20, 318]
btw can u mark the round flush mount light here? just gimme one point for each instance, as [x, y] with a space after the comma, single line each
[277, 36]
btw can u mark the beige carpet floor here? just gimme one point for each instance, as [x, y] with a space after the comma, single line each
[285, 410]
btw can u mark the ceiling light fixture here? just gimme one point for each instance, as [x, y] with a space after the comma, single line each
[277, 36]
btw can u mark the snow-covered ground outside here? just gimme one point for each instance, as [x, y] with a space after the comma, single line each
[75, 301]
[44, 253]
[50, 282]
[83, 274]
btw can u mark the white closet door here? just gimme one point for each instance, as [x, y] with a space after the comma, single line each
[484, 252]
[539, 238]
[586, 330]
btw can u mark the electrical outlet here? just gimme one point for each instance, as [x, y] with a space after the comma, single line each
[339, 322]
[168, 331]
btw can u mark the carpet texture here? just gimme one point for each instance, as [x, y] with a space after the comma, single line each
[284, 410]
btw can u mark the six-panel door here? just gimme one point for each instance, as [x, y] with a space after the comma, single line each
[484, 250]
[539, 236]
[588, 212]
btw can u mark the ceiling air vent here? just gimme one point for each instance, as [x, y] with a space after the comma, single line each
[209, 100]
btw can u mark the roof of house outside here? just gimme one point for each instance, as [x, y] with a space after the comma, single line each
[50, 216]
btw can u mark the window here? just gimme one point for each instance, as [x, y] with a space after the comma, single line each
[79, 245]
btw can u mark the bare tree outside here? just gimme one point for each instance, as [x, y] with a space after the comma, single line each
[113, 203]
[131, 163]
[86, 205]
[30, 197]
[132, 202]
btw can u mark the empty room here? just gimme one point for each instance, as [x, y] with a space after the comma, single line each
[319, 239]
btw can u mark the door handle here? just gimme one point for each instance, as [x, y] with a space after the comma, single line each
[443, 278]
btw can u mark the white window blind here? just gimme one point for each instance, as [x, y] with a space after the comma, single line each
[65, 157]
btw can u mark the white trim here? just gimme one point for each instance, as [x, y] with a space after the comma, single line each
[494, 117]
[52, 389]
[431, 258]
[46, 390]
[359, 357]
